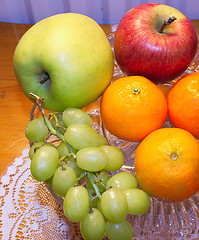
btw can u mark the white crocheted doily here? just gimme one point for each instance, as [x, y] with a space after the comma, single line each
[28, 210]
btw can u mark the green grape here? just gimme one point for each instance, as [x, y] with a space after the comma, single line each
[100, 180]
[115, 158]
[76, 203]
[49, 181]
[81, 136]
[99, 205]
[74, 166]
[36, 130]
[114, 205]
[92, 227]
[76, 115]
[44, 163]
[62, 128]
[138, 201]
[36, 146]
[62, 149]
[92, 159]
[63, 179]
[119, 231]
[122, 180]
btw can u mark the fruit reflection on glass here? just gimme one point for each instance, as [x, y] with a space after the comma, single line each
[156, 41]
[61, 58]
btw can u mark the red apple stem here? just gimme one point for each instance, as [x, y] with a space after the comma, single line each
[167, 22]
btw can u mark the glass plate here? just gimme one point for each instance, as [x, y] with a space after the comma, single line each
[163, 221]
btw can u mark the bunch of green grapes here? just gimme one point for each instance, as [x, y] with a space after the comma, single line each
[80, 169]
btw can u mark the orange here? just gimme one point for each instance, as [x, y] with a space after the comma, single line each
[183, 104]
[132, 107]
[167, 164]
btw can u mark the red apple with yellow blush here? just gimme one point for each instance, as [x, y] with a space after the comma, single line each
[156, 41]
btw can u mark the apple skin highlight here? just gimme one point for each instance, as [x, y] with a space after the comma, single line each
[140, 48]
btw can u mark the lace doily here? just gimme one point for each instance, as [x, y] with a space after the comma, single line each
[27, 208]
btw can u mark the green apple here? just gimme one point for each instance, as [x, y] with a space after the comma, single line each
[66, 59]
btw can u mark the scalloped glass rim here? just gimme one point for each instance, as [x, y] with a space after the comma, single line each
[163, 221]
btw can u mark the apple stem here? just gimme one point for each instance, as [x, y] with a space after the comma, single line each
[44, 78]
[167, 22]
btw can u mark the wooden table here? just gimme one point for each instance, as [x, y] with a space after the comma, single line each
[14, 105]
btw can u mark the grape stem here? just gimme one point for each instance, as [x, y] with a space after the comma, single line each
[39, 102]
[90, 177]
[57, 122]
[60, 163]
[82, 176]
[103, 185]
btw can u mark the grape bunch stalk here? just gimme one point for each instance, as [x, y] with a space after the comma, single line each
[86, 172]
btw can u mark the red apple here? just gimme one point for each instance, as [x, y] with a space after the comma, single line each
[156, 41]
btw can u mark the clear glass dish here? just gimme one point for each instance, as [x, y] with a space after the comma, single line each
[163, 221]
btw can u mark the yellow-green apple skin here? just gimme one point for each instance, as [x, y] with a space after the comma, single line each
[142, 49]
[65, 58]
